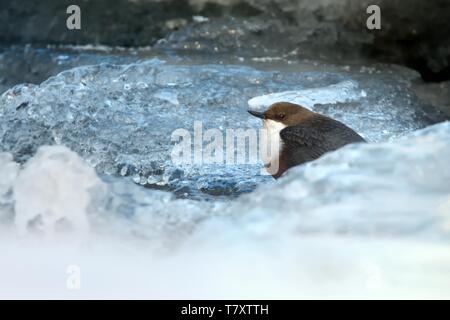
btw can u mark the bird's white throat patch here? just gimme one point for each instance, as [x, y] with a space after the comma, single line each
[274, 127]
[273, 144]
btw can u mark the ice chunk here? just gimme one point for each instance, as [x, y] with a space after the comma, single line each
[399, 188]
[345, 91]
[371, 216]
[53, 191]
[123, 116]
[8, 174]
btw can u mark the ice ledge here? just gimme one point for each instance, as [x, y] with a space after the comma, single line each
[345, 91]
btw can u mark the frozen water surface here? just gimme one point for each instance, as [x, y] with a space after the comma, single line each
[120, 118]
[379, 213]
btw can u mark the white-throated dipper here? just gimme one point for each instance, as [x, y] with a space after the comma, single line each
[302, 135]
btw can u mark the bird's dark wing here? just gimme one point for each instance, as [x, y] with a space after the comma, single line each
[314, 137]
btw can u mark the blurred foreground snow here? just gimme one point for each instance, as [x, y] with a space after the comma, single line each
[367, 221]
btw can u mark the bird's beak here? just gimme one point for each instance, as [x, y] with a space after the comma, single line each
[256, 114]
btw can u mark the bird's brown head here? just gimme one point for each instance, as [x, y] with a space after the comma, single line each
[286, 113]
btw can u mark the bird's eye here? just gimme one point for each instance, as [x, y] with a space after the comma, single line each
[281, 115]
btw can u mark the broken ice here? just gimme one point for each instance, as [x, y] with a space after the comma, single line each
[120, 118]
[374, 209]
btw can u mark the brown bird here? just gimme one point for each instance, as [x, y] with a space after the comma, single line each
[300, 136]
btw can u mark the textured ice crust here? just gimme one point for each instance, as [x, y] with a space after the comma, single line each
[120, 118]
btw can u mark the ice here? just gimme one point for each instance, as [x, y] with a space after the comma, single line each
[8, 174]
[346, 91]
[200, 19]
[28, 64]
[57, 192]
[53, 191]
[120, 118]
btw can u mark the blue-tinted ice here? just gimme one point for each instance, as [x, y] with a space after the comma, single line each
[120, 118]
